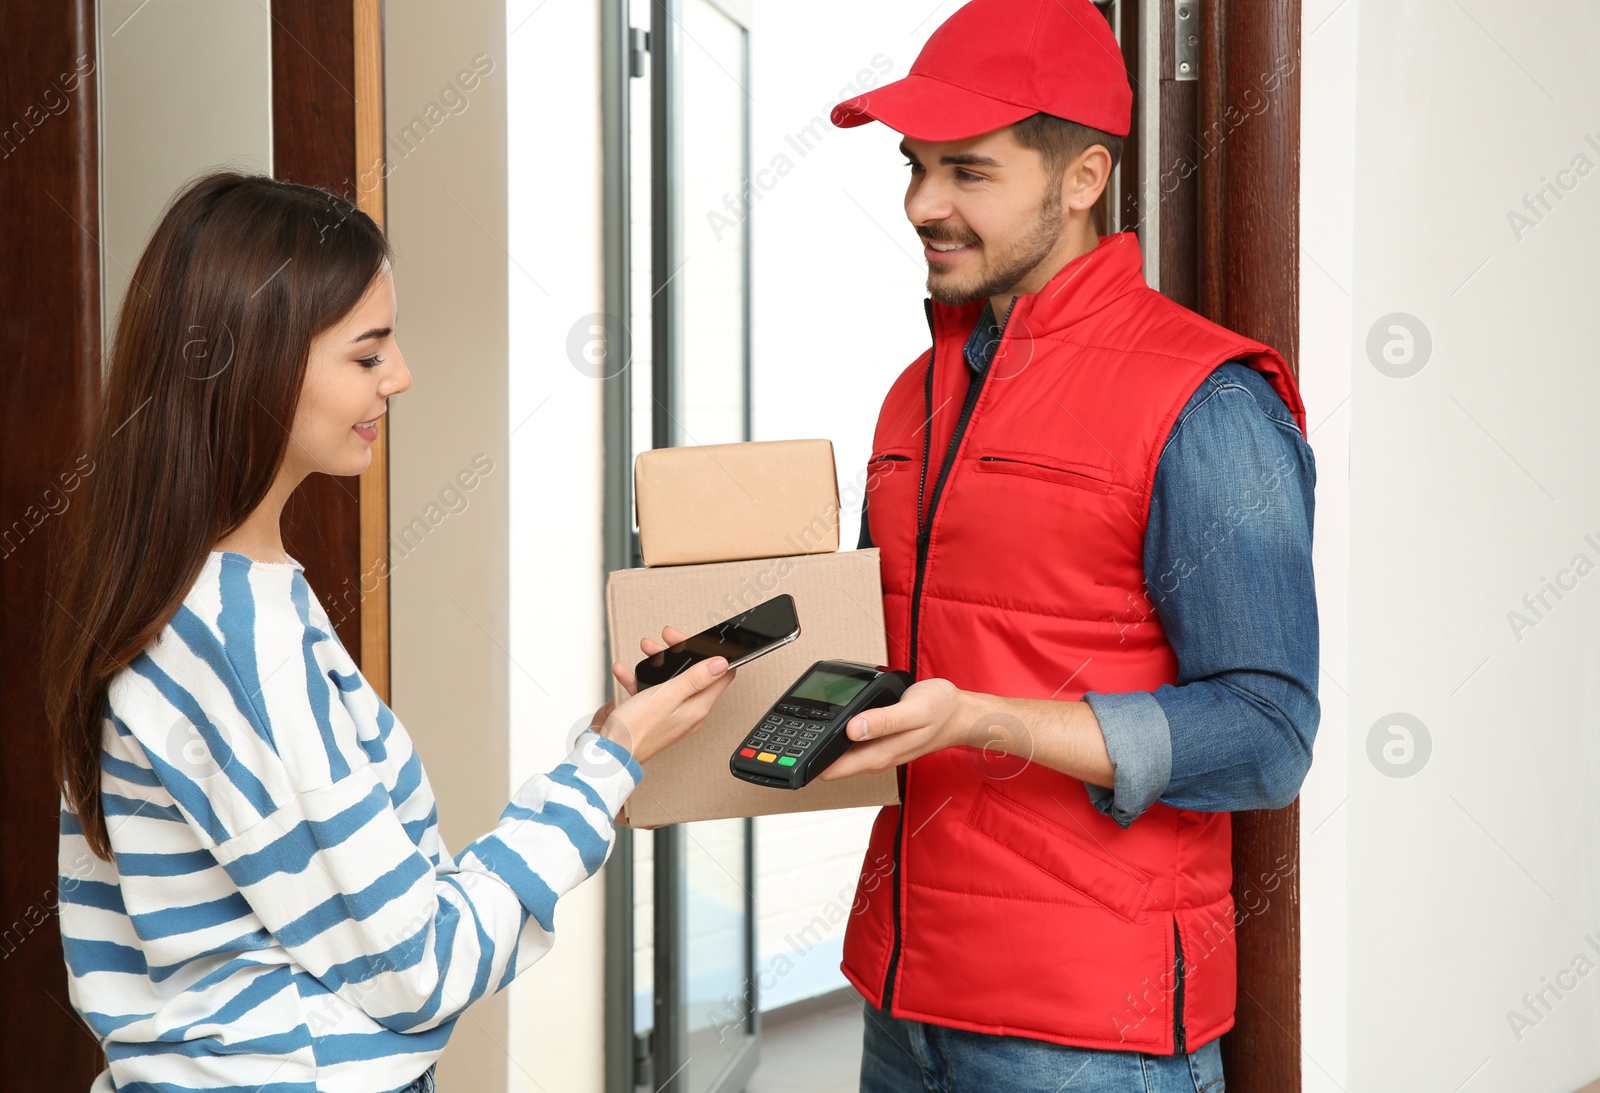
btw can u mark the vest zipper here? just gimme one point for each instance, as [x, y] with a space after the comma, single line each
[924, 537]
[925, 529]
[1179, 1034]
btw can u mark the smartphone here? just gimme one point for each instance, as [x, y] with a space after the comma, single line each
[765, 627]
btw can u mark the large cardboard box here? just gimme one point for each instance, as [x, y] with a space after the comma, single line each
[838, 598]
[725, 502]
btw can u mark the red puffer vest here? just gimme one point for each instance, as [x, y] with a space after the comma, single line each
[1015, 907]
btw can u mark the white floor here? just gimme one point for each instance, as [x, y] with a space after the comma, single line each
[817, 1053]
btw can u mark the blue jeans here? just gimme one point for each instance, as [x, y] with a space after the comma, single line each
[424, 1084]
[912, 1057]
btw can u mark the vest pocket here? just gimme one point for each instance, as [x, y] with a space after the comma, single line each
[884, 464]
[1045, 468]
[1069, 858]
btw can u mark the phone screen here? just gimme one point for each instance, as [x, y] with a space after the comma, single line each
[745, 636]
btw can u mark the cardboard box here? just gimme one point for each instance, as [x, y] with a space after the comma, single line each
[838, 598]
[725, 502]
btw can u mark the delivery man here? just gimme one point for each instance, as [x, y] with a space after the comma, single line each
[1094, 509]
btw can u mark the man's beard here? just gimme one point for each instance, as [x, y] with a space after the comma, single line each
[1013, 265]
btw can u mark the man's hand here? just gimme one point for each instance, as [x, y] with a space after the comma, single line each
[929, 716]
[934, 713]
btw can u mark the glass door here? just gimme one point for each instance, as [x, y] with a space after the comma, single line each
[682, 979]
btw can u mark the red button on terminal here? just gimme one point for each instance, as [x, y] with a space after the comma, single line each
[747, 753]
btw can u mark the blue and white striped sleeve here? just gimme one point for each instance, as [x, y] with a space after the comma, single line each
[334, 877]
[288, 802]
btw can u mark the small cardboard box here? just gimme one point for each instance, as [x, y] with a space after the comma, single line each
[725, 502]
[838, 598]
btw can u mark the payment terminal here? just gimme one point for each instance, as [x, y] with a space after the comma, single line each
[804, 731]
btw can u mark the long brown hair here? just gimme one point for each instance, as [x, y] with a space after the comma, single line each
[206, 368]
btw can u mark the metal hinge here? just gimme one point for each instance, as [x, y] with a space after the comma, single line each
[1186, 39]
[644, 1071]
[638, 47]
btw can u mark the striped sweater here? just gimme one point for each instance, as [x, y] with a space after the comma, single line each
[280, 915]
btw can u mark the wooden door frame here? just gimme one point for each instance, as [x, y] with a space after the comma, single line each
[1248, 231]
[1244, 251]
[1227, 190]
[327, 131]
[371, 198]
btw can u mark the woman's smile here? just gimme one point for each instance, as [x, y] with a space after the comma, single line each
[368, 430]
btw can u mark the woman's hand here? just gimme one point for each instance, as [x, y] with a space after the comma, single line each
[655, 718]
[671, 635]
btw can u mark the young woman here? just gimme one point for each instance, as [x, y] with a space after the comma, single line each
[254, 895]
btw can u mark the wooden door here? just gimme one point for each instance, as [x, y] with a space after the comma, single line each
[49, 387]
[1223, 198]
[327, 119]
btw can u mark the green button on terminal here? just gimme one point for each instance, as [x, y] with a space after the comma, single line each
[787, 761]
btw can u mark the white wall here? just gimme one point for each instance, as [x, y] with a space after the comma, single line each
[496, 621]
[1471, 876]
[554, 414]
[1327, 211]
[449, 624]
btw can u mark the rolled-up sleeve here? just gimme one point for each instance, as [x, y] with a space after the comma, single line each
[1227, 559]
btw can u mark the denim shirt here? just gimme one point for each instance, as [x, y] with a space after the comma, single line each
[1227, 568]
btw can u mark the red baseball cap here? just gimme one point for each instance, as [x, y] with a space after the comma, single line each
[995, 62]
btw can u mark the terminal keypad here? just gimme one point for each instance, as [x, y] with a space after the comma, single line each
[783, 736]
